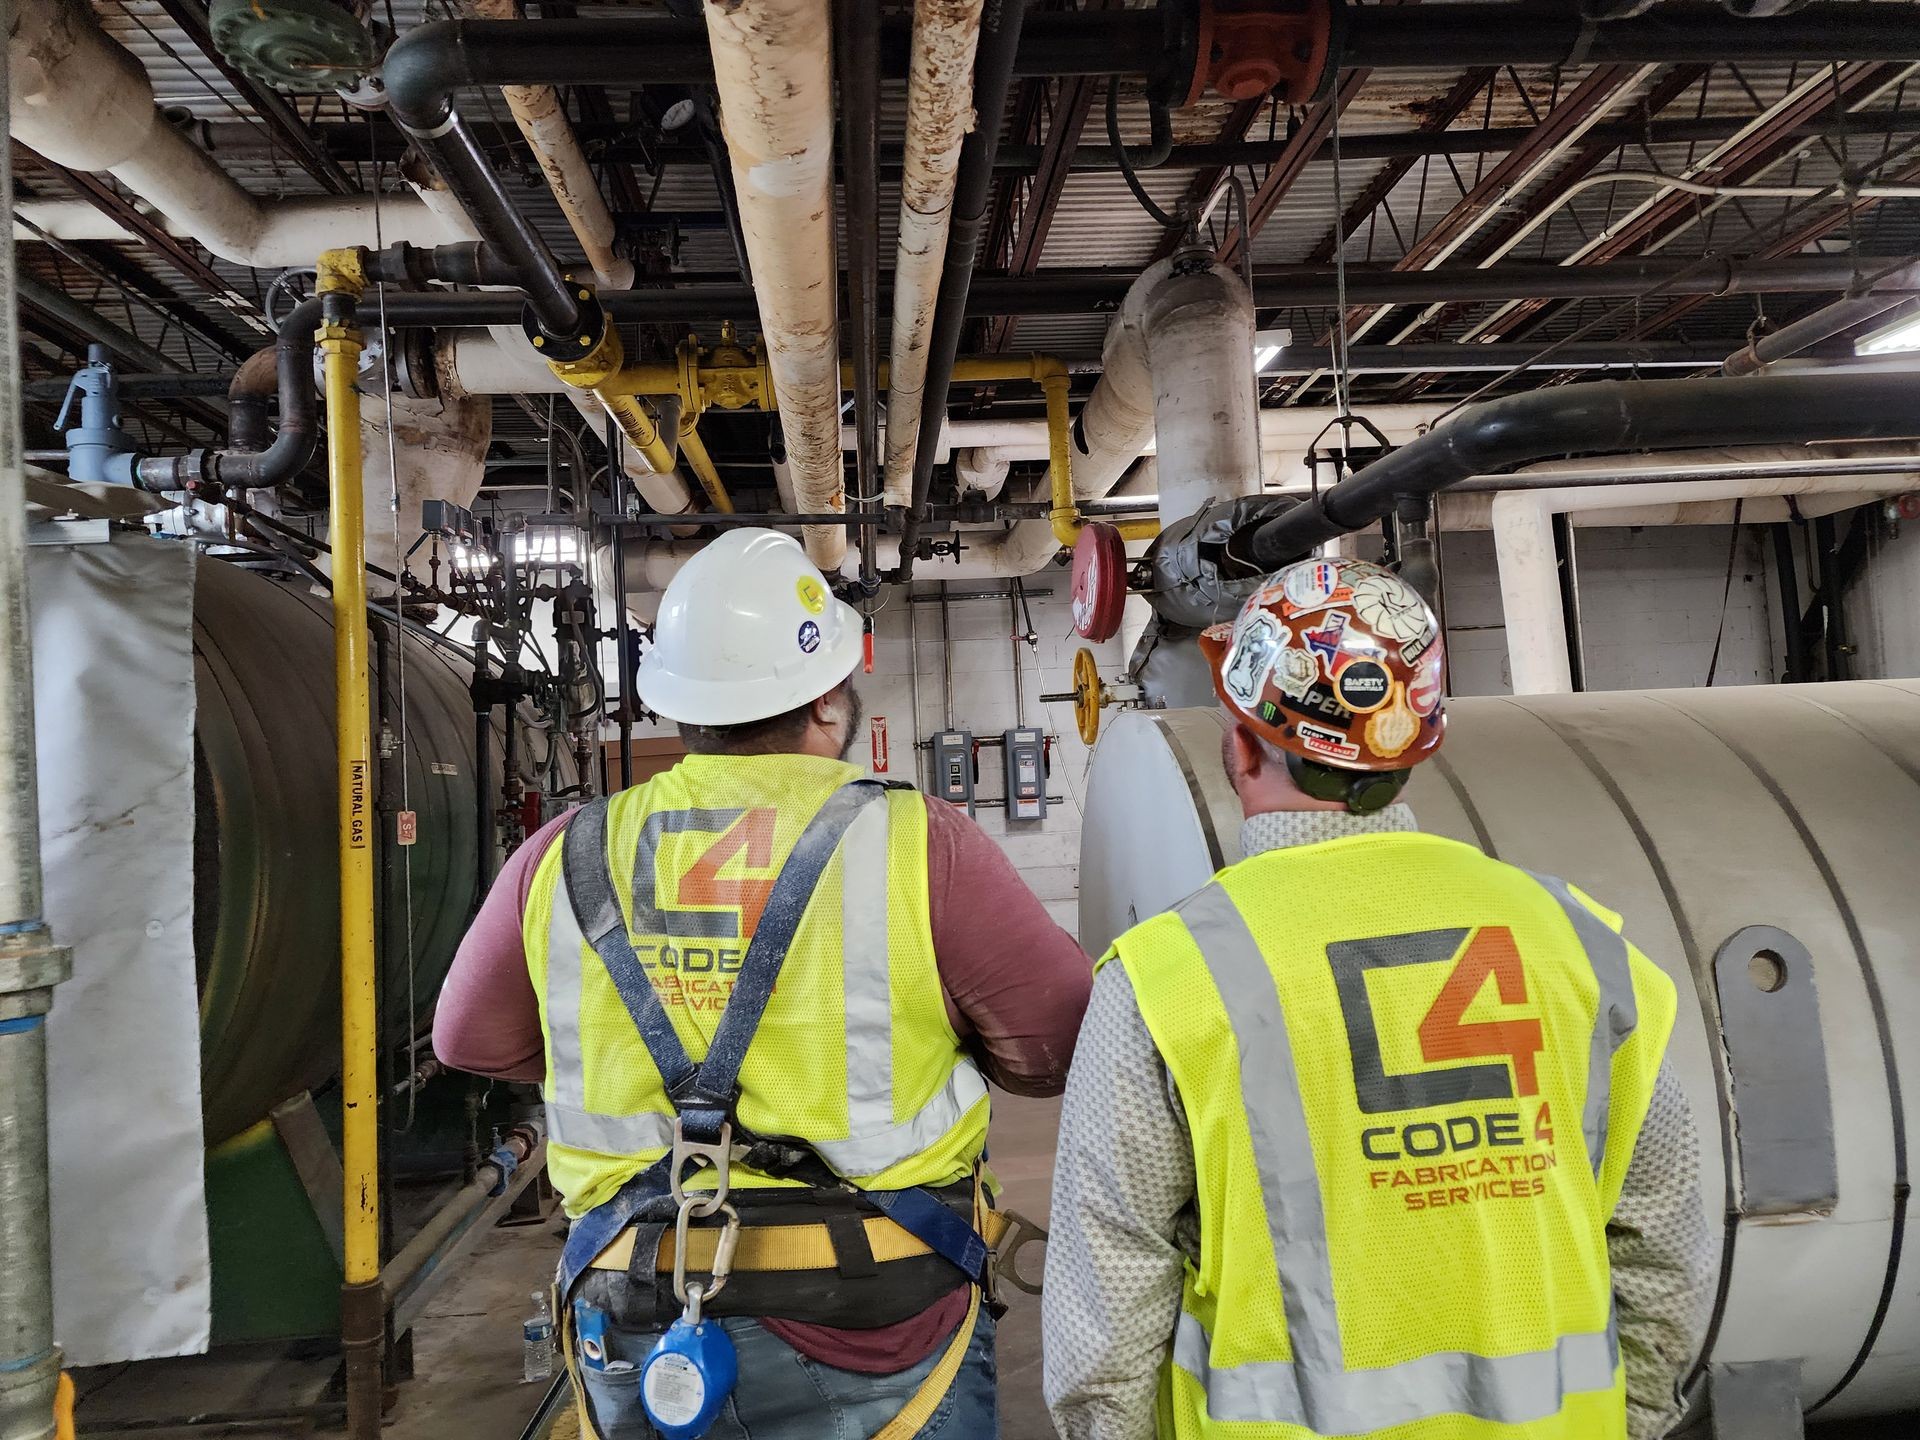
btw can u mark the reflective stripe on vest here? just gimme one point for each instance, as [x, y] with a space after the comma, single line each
[874, 1142]
[1619, 1011]
[1316, 1389]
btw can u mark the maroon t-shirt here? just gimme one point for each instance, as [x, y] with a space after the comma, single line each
[1016, 986]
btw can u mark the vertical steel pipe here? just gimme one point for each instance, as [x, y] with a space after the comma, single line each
[857, 58]
[1000, 28]
[30, 964]
[362, 1311]
[939, 115]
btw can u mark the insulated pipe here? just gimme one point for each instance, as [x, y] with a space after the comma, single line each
[431, 449]
[1597, 418]
[556, 149]
[30, 963]
[772, 62]
[84, 101]
[1198, 327]
[995, 57]
[939, 115]
[1529, 576]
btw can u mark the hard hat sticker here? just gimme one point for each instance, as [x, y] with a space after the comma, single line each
[1330, 743]
[1255, 645]
[1325, 642]
[1425, 689]
[1312, 585]
[1295, 671]
[809, 637]
[1390, 606]
[813, 595]
[1363, 686]
[1394, 728]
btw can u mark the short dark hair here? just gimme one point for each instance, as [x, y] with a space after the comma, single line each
[776, 735]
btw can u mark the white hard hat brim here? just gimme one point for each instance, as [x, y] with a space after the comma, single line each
[690, 700]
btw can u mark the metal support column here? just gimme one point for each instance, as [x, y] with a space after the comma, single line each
[30, 963]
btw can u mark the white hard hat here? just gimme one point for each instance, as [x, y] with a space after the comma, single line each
[748, 630]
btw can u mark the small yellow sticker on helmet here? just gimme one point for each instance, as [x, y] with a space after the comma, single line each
[812, 593]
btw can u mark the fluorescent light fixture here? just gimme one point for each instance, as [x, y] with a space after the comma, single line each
[1267, 345]
[545, 547]
[1903, 334]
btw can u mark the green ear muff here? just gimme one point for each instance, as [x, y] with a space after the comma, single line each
[1361, 791]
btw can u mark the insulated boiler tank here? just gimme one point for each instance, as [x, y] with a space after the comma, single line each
[1760, 843]
[266, 867]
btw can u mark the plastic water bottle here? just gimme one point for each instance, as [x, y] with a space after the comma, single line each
[536, 1342]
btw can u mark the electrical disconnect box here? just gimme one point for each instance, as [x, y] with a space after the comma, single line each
[1026, 752]
[953, 767]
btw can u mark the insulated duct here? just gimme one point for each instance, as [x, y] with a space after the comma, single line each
[939, 115]
[84, 101]
[773, 66]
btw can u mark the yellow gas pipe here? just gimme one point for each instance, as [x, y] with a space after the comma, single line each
[740, 380]
[362, 1313]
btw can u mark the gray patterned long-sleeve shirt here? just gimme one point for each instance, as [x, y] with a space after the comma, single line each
[1125, 1224]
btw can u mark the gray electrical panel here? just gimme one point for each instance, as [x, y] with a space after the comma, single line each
[953, 767]
[1026, 752]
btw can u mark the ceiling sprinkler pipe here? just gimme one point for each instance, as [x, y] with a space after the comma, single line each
[1600, 418]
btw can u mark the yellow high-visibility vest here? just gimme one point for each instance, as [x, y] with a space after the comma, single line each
[1414, 1077]
[855, 1054]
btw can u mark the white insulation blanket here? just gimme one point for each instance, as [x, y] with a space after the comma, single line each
[114, 710]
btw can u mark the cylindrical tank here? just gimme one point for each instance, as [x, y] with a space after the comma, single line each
[1760, 843]
[266, 897]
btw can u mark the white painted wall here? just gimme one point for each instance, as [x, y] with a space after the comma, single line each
[1650, 606]
[1883, 609]
[1047, 852]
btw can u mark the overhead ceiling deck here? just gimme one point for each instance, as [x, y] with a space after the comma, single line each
[1411, 190]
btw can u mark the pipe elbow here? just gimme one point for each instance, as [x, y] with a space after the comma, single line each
[421, 71]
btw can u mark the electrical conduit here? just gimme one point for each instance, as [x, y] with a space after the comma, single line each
[939, 114]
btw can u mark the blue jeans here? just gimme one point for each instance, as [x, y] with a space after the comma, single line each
[783, 1395]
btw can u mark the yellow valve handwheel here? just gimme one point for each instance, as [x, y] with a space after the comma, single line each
[1089, 695]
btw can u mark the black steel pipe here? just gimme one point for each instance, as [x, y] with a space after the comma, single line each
[139, 385]
[856, 57]
[1551, 32]
[1601, 418]
[1858, 306]
[1001, 27]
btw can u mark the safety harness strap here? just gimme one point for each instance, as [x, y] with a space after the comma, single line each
[705, 1094]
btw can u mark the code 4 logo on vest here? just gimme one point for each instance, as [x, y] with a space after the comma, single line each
[1511, 1042]
[722, 890]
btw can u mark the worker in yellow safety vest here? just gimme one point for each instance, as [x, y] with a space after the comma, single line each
[1373, 1135]
[763, 994]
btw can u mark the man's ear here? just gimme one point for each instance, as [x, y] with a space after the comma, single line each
[1243, 755]
[827, 708]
